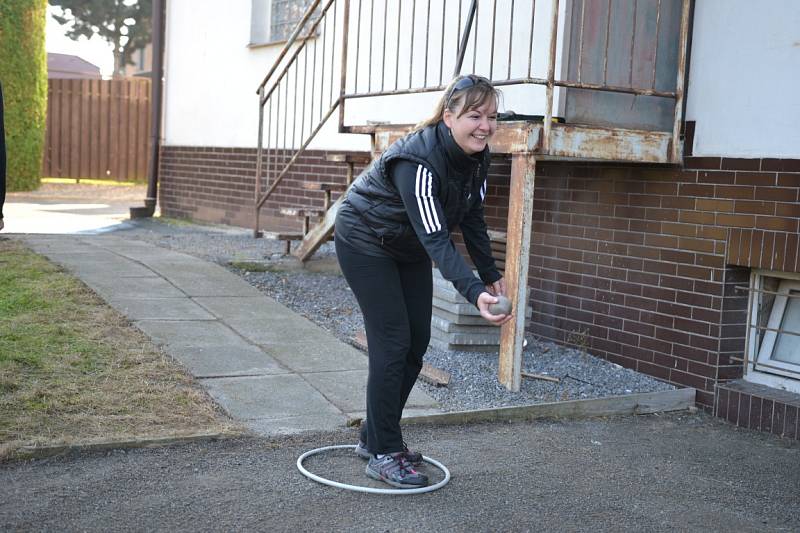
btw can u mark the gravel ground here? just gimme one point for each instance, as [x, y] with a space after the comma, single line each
[320, 293]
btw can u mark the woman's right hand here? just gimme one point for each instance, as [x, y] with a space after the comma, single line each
[484, 301]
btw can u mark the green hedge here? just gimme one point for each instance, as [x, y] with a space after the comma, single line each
[23, 72]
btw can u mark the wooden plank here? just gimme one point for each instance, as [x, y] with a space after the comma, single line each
[320, 233]
[518, 237]
[94, 128]
[113, 129]
[435, 376]
[532, 375]
[357, 158]
[75, 129]
[144, 131]
[639, 404]
[124, 127]
[85, 163]
[133, 127]
[105, 137]
[48, 145]
[63, 131]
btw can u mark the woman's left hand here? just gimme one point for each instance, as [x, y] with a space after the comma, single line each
[497, 288]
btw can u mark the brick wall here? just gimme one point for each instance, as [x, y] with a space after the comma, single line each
[218, 185]
[640, 263]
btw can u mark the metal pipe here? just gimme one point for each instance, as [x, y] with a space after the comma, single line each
[259, 156]
[343, 78]
[371, 38]
[462, 48]
[633, 41]
[157, 99]
[411, 47]
[551, 67]
[427, 41]
[383, 55]
[510, 38]
[358, 43]
[441, 43]
[397, 50]
[532, 81]
[491, 47]
[608, 34]
[530, 44]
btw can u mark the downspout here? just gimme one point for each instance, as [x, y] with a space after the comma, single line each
[156, 91]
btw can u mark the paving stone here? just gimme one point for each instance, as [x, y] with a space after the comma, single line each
[160, 309]
[278, 396]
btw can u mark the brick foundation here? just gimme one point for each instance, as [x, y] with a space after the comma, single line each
[640, 263]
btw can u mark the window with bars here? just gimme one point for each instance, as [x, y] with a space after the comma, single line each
[774, 325]
[273, 21]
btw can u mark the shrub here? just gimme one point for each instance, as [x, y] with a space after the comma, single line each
[23, 72]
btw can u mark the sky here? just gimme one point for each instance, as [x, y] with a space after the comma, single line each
[94, 50]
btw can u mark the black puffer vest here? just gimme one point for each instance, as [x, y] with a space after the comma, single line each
[375, 199]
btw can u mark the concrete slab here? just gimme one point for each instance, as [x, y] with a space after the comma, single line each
[190, 333]
[280, 396]
[160, 309]
[197, 278]
[101, 265]
[226, 361]
[243, 308]
[292, 425]
[347, 390]
[317, 357]
[111, 288]
[289, 330]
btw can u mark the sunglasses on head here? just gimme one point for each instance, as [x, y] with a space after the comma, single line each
[465, 83]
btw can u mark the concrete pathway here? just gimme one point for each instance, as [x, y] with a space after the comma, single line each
[267, 366]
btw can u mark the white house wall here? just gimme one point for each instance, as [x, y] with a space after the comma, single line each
[744, 78]
[212, 75]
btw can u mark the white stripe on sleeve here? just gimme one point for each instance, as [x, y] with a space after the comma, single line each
[418, 188]
[435, 224]
[483, 190]
[427, 209]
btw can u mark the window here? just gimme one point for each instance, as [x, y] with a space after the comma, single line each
[273, 21]
[774, 326]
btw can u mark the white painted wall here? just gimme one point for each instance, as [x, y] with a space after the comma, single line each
[212, 75]
[744, 78]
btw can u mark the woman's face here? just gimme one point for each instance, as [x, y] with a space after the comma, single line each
[473, 129]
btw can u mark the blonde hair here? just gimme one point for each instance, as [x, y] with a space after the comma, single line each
[468, 98]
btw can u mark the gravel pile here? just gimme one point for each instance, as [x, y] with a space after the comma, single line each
[320, 293]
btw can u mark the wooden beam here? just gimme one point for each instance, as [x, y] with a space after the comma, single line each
[518, 246]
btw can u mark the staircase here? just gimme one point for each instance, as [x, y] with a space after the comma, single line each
[586, 64]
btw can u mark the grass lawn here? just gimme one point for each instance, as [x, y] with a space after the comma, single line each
[73, 370]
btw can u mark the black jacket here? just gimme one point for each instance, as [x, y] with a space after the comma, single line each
[406, 203]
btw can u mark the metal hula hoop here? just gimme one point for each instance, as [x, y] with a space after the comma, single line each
[371, 490]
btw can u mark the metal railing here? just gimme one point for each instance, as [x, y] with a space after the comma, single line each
[400, 47]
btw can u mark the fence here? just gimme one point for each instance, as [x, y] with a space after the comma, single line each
[97, 129]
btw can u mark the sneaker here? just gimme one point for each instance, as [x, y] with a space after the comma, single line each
[415, 458]
[395, 470]
[361, 451]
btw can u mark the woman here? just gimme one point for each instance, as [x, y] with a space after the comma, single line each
[396, 219]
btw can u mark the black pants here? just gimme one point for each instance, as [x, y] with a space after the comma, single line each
[395, 299]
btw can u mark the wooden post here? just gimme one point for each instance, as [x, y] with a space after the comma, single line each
[518, 246]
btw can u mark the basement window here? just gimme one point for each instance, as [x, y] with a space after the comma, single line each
[774, 326]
